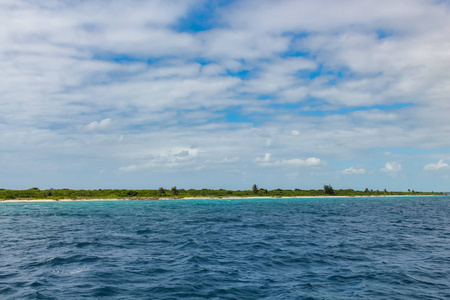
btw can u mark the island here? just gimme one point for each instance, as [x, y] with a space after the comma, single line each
[175, 193]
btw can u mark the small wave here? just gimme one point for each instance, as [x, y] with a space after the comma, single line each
[144, 231]
[61, 261]
[84, 244]
[105, 291]
[270, 250]
[70, 272]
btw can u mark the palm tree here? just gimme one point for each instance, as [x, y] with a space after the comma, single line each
[255, 189]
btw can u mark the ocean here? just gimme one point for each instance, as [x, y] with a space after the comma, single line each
[314, 248]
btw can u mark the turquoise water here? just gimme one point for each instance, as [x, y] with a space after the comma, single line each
[334, 248]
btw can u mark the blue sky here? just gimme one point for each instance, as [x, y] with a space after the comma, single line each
[225, 94]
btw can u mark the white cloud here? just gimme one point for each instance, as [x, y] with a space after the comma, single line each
[294, 94]
[102, 125]
[265, 160]
[375, 115]
[374, 76]
[353, 171]
[295, 162]
[436, 166]
[170, 159]
[131, 168]
[241, 44]
[229, 160]
[392, 167]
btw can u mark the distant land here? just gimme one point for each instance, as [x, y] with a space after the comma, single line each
[175, 193]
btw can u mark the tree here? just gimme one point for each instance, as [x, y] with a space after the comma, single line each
[255, 189]
[174, 191]
[161, 191]
[132, 193]
[366, 190]
[328, 189]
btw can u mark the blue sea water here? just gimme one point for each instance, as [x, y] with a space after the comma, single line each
[320, 248]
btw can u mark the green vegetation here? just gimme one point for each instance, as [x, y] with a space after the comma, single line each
[328, 190]
[175, 191]
[36, 193]
[255, 189]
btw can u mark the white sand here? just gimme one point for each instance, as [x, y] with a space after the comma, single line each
[200, 198]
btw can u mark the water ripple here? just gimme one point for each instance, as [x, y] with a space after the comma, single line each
[337, 248]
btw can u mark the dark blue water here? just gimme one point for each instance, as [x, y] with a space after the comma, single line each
[340, 248]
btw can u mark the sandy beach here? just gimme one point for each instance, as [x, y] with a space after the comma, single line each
[202, 198]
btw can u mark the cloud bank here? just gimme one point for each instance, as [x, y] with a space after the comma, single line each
[436, 166]
[93, 90]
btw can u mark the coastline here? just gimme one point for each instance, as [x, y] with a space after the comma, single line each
[203, 198]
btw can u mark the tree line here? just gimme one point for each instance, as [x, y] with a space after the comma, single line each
[174, 192]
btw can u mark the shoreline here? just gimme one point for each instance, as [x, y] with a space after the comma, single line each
[202, 198]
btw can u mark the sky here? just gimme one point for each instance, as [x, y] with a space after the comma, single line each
[225, 94]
